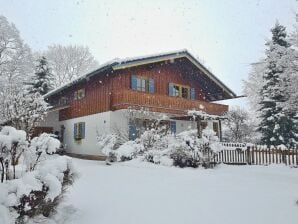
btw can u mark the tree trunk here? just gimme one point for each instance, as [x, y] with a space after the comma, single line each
[6, 170]
[2, 167]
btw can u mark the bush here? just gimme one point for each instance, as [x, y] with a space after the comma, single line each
[128, 151]
[159, 147]
[38, 190]
[183, 158]
[44, 201]
[158, 157]
[108, 144]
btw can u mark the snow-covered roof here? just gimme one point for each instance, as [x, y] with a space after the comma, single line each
[117, 64]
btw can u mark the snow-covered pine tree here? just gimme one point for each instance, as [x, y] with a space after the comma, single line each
[43, 77]
[292, 103]
[276, 124]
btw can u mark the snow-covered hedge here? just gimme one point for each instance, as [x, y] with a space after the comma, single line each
[41, 179]
[183, 150]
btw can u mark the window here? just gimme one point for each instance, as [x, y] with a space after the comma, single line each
[173, 127]
[142, 83]
[185, 92]
[79, 94]
[176, 90]
[180, 91]
[79, 131]
[75, 95]
[63, 101]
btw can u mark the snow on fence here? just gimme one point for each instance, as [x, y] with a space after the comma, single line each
[253, 155]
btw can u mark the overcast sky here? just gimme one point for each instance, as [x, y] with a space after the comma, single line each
[227, 34]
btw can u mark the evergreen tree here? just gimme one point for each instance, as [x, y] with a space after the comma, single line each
[43, 76]
[276, 124]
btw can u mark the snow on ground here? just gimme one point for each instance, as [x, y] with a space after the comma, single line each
[135, 192]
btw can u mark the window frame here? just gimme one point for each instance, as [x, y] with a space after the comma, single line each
[79, 94]
[63, 100]
[179, 92]
[143, 80]
[78, 134]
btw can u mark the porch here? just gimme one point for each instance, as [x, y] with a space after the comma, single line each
[171, 124]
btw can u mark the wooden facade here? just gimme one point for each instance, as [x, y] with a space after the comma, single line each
[111, 90]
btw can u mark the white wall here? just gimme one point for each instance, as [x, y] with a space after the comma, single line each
[119, 121]
[98, 124]
[94, 124]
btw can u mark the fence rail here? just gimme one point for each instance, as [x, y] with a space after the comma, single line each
[256, 156]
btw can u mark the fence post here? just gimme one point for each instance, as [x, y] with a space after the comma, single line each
[248, 155]
[269, 153]
[296, 157]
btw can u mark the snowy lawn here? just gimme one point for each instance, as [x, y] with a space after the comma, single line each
[141, 193]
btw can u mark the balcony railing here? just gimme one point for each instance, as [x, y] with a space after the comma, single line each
[162, 103]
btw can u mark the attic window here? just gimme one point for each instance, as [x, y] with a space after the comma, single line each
[63, 101]
[79, 94]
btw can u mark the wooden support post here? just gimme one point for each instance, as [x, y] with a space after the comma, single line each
[199, 127]
[220, 131]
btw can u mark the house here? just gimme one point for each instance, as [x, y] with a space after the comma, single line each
[163, 87]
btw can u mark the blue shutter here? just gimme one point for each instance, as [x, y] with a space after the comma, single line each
[173, 127]
[82, 130]
[171, 88]
[132, 135]
[134, 82]
[151, 85]
[75, 130]
[192, 93]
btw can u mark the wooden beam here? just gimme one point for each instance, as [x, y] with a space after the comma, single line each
[199, 128]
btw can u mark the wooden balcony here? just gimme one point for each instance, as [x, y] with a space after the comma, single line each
[161, 103]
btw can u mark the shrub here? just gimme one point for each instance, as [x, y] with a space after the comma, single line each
[108, 144]
[158, 157]
[38, 190]
[129, 150]
[183, 159]
[45, 200]
[159, 147]
[184, 152]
